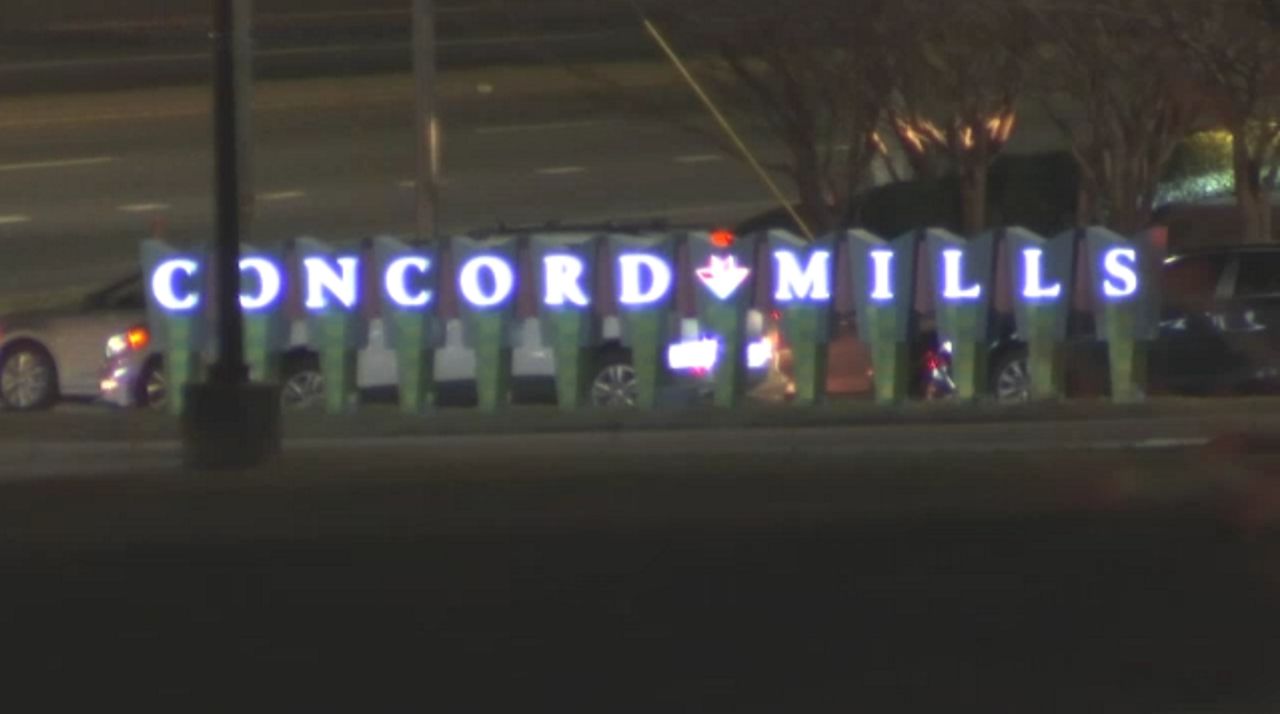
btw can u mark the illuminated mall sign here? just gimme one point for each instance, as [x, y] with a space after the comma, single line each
[484, 280]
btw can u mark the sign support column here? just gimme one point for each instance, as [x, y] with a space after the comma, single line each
[644, 275]
[487, 275]
[565, 266]
[1043, 272]
[884, 284]
[964, 273]
[1126, 306]
[724, 272]
[804, 282]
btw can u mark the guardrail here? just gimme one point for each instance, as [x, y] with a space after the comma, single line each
[571, 281]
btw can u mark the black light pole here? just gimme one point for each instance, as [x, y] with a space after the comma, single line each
[229, 423]
[230, 369]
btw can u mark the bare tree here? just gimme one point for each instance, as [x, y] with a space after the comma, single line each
[959, 69]
[1234, 52]
[816, 75]
[1110, 77]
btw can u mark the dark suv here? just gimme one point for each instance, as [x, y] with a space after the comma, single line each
[1219, 332]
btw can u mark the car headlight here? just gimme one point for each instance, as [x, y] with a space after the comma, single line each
[135, 340]
[117, 345]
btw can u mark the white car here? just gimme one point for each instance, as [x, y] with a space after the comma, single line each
[57, 352]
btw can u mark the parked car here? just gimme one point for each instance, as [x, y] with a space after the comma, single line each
[1219, 332]
[53, 353]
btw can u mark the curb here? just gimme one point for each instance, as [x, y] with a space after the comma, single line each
[1243, 429]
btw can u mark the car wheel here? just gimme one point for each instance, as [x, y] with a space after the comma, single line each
[614, 384]
[153, 388]
[28, 378]
[302, 385]
[1011, 379]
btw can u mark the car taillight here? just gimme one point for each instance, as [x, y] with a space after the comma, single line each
[138, 338]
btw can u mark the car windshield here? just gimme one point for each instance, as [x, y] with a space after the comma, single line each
[641, 355]
[125, 294]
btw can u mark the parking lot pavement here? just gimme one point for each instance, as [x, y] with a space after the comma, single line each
[619, 574]
[1092, 564]
[559, 480]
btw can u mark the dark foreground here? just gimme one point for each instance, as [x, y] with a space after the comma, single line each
[1119, 580]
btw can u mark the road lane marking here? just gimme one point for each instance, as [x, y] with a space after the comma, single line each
[281, 196]
[657, 214]
[263, 18]
[102, 117]
[202, 20]
[21, 67]
[57, 164]
[411, 184]
[521, 39]
[561, 170]
[14, 219]
[545, 126]
[193, 57]
[143, 207]
[1172, 443]
[699, 158]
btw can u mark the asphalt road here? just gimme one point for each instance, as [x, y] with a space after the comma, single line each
[82, 45]
[1116, 581]
[84, 176]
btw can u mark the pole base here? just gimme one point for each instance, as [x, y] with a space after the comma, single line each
[226, 427]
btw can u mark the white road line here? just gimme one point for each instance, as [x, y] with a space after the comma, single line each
[14, 219]
[281, 196]
[19, 67]
[724, 209]
[201, 20]
[459, 9]
[545, 126]
[57, 163]
[699, 158]
[409, 184]
[1171, 443]
[330, 15]
[99, 62]
[143, 207]
[561, 170]
[518, 39]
